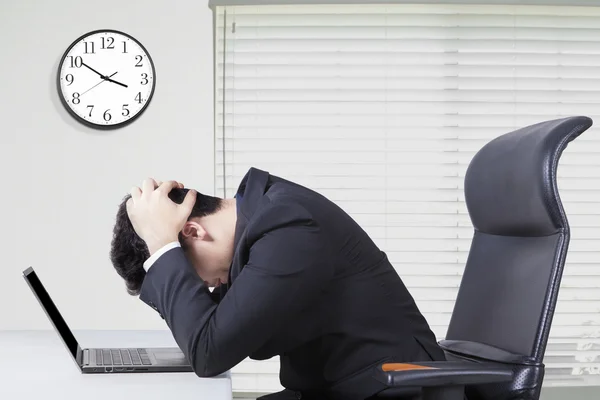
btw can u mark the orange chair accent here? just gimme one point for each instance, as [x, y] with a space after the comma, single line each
[403, 367]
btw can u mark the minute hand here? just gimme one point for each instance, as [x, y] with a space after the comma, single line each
[101, 76]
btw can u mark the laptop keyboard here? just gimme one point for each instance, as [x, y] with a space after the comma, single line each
[122, 357]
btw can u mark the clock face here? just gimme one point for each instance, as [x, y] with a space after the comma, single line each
[106, 79]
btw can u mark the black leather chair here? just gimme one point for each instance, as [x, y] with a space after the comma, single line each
[499, 328]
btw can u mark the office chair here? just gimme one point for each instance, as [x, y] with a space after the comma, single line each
[499, 328]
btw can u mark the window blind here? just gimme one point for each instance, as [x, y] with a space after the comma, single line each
[381, 108]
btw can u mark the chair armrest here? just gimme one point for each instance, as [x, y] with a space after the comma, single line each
[442, 379]
[443, 373]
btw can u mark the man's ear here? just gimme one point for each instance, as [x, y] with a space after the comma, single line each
[193, 230]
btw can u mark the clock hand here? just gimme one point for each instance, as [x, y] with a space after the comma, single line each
[101, 76]
[102, 81]
[113, 81]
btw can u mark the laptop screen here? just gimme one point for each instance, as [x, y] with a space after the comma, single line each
[48, 305]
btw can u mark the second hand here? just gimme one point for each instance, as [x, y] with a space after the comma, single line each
[103, 80]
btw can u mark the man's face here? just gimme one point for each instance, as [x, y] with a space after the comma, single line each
[211, 260]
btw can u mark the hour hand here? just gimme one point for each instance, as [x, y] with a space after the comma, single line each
[113, 81]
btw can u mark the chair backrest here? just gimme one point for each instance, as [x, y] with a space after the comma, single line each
[509, 288]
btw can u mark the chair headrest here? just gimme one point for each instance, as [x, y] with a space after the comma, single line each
[510, 185]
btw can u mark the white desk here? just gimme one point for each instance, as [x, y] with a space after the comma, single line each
[36, 365]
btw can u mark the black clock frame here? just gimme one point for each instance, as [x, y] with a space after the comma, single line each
[65, 103]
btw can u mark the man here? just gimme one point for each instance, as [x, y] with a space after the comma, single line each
[295, 277]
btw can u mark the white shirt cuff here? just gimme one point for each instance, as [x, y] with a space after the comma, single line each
[148, 263]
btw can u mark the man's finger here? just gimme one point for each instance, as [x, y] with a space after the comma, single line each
[128, 206]
[158, 183]
[188, 202]
[179, 184]
[136, 193]
[148, 186]
[167, 186]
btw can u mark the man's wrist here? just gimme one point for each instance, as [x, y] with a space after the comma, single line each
[155, 246]
[154, 257]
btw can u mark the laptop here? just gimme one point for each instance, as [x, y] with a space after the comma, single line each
[130, 360]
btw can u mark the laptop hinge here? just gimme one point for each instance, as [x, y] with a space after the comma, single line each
[86, 357]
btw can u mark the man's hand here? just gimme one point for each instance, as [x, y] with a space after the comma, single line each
[154, 216]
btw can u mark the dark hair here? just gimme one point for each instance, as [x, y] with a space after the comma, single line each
[128, 251]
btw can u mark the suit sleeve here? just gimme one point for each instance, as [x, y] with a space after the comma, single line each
[287, 267]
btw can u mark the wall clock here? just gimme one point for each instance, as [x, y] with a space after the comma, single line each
[106, 79]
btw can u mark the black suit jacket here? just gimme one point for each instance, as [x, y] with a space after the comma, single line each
[306, 284]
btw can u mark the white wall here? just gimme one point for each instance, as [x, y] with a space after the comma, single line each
[62, 181]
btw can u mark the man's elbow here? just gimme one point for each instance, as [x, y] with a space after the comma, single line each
[208, 372]
[207, 369]
[208, 357]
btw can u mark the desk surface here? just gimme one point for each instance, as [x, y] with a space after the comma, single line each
[36, 365]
